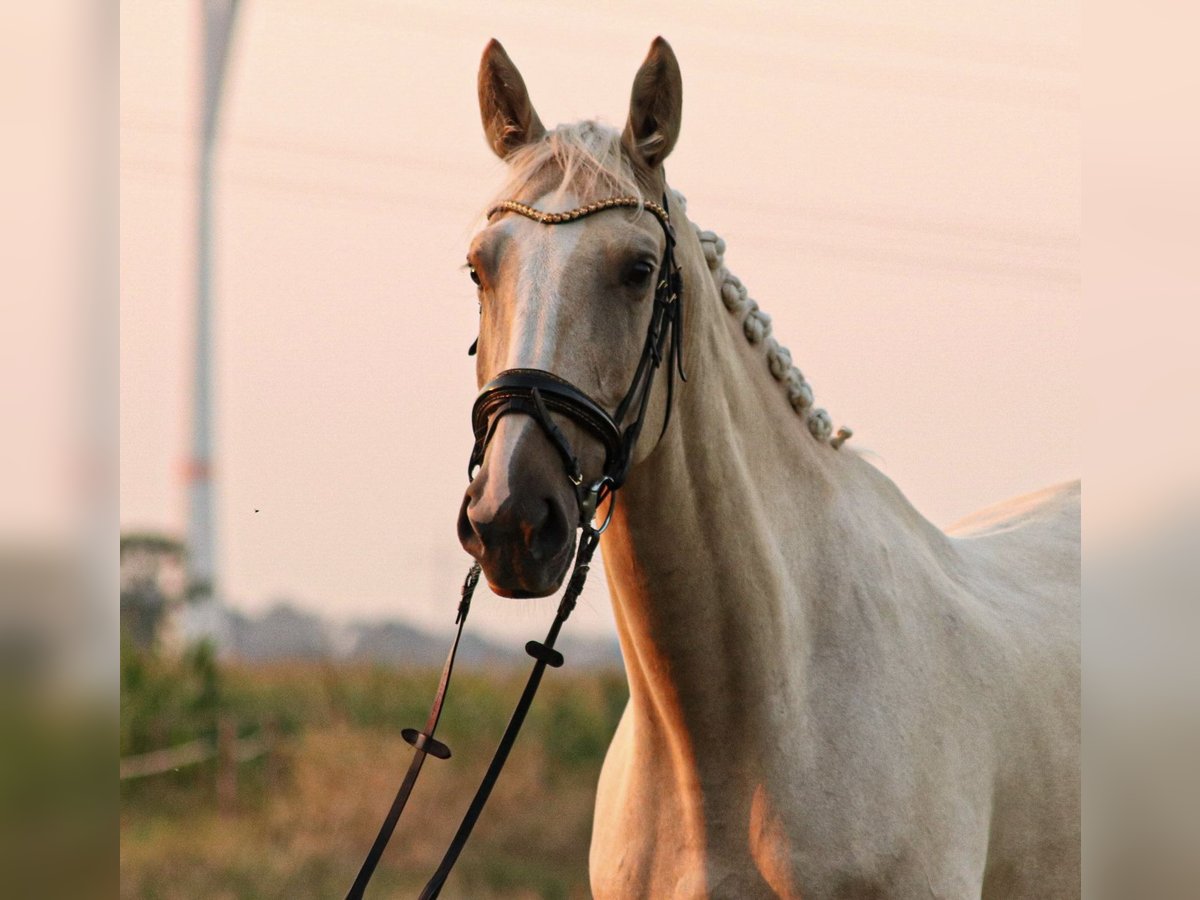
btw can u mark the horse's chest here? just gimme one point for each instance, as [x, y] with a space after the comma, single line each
[764, 867]
[762, 837]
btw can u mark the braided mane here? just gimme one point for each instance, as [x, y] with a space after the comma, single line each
[756, 325]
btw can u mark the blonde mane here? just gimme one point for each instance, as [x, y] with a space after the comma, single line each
[589, 156]
[593, 165]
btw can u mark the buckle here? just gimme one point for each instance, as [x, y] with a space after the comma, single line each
[589, 502]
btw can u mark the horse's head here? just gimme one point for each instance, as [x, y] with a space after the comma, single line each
[573, 299]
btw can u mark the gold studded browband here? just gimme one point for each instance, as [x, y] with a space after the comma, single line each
[571, 215]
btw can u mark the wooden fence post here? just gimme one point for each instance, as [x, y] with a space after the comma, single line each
[226, 765]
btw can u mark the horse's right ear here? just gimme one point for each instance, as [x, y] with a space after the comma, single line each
[509, 119]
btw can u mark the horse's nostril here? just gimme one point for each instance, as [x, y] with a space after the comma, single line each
[539, 528]
[468, 529]
[545, 538]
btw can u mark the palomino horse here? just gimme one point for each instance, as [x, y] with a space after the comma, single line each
[829, 696]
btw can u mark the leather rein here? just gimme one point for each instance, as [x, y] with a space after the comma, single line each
[538, 393]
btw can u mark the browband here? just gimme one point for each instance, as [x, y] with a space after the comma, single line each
[579, 212]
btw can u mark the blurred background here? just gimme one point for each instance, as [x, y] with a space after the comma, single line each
[898, 185]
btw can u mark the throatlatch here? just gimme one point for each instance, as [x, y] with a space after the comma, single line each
[540, 394]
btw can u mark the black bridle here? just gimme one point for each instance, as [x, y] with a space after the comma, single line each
[537, 394]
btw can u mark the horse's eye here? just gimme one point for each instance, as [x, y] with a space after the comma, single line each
[474, 275]
[639, 273]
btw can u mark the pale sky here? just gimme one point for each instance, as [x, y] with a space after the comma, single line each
[898, 185]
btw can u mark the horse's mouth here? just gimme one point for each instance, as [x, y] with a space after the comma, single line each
[517, 575]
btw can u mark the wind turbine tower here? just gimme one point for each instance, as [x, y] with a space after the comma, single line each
[217, 24]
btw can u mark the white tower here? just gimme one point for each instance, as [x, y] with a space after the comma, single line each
[217, 24]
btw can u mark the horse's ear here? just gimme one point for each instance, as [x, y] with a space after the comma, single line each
[509, 119]
[655, 107]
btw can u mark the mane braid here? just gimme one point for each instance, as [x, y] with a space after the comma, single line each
[757, 326]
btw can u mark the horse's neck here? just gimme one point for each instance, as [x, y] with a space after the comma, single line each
[731, 536]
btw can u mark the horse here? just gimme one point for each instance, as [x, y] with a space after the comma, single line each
[829, 696]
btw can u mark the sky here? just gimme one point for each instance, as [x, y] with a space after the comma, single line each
[898, 185]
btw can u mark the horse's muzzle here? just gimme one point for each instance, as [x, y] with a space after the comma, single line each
[524, 542]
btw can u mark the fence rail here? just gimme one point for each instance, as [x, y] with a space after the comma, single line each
[228, 750]
[158, 762]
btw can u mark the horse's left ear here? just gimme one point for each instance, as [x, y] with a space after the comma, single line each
[655, 107]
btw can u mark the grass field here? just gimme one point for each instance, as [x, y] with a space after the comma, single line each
[303, 820]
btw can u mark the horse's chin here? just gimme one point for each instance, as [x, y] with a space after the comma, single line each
[524, 578]
[521, 593]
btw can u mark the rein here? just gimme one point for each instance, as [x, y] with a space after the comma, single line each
[538, 393]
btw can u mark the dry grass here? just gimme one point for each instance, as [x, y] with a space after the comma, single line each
[305, 834]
